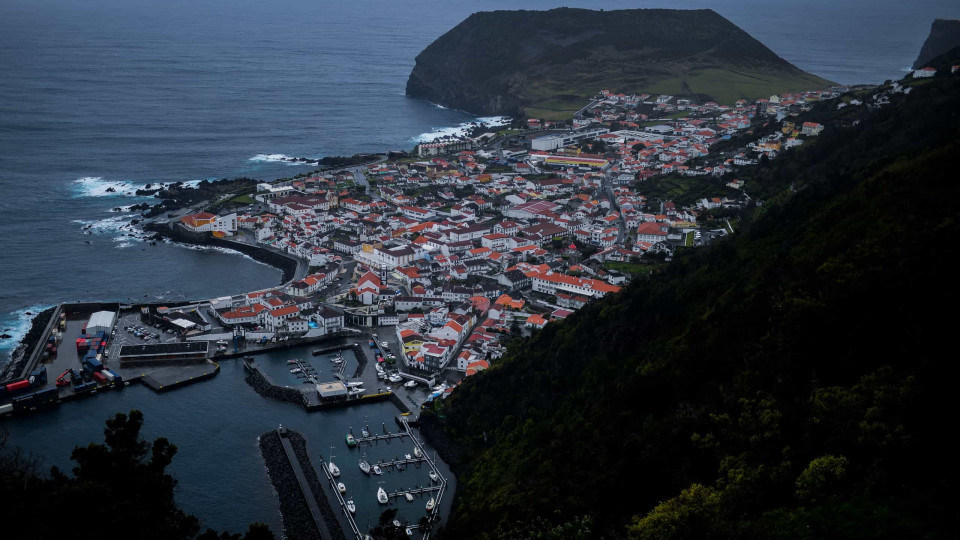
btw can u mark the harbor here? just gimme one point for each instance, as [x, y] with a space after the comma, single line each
[413, 485]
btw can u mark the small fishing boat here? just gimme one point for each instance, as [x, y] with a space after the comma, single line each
[434, 476]
[396, 523]
[376, 470]
[365, 432]
[351, 507]
[407, 456]
[351, 440]
[431, 503]
[408, 496]
[296, 370]
[381, 496]
[342, 487]
[291, 361]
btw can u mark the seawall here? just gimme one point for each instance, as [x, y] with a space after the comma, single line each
[292, 267]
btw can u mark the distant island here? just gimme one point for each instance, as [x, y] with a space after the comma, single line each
[944, 36]
[546, 63]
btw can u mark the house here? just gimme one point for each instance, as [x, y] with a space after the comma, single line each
[536, 321]
[207, 222]
[923, 73]
[811, 128]
[368, 288]
[651, 232]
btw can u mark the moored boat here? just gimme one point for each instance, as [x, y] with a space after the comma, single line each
[431, 503]
[351, 506]
[382, 496]
[351, 440]
[365, 466]
[434, 476]
[408, 496]
[342, 487]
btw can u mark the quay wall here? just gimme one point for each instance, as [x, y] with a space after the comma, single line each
[289, 265]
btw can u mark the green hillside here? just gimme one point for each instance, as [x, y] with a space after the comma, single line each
[792, 381]
[551, 62]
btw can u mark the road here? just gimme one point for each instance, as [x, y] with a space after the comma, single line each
[606, 187]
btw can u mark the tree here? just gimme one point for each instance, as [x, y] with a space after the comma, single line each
[123, 483]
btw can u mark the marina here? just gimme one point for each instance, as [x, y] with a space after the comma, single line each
[404, 488]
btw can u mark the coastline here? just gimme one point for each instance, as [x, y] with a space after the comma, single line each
[291, 267]
[28, 342]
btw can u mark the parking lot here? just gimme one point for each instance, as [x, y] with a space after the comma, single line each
[147, 333]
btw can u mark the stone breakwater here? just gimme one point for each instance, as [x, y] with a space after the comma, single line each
[297, 520]
[263, 386]
[290, 266]
[23, 351]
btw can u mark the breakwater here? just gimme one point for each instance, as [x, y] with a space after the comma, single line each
[290, 266]
[262, 385]
[298, 518]
[24, 351]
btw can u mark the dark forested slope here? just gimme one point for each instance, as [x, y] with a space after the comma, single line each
[794, 381]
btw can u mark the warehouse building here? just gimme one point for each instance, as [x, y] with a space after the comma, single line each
[163, 353]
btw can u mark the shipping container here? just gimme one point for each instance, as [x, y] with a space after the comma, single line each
[99, 377]
[16, 386]
[6, 409]
[84, 388]
[39, 375]
[23, 403]
[50, 396]
[108, 374]
[92, 364]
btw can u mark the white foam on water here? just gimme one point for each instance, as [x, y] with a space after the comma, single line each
[454, 132]
[119, 228]
[279, 158]
[97, 186]
[17, 324]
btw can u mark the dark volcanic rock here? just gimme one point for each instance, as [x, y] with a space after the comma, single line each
[944, 35]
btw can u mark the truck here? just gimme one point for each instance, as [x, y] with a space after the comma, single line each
[75, 377]
[38, 376]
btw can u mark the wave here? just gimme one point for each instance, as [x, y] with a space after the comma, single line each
[283, 158]
[97, 186]
[120, 228]
[456, 132]
[16, 324]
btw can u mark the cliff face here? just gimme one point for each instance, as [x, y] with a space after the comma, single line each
[499, 62]
[944, 35]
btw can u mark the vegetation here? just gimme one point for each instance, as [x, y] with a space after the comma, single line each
[120, 488]
[492, 63]
[683, 190]
[787, 382]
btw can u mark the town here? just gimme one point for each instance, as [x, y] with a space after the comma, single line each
[470, 241]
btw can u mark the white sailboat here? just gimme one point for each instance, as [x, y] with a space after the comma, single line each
[376, 470]
[408, 496]
[365, 465]
[332, 467]
[351, 506]
[417, 452]
[342, 487]
[434, 476]
[431, 503]
[382, 496]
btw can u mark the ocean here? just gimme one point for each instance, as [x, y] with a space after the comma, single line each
[118, 93]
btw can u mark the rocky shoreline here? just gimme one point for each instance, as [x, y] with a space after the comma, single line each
[23, 351]
[297, 521]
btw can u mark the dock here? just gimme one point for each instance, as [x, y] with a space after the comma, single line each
[414, 491]
[439, 486]
[167, 378]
